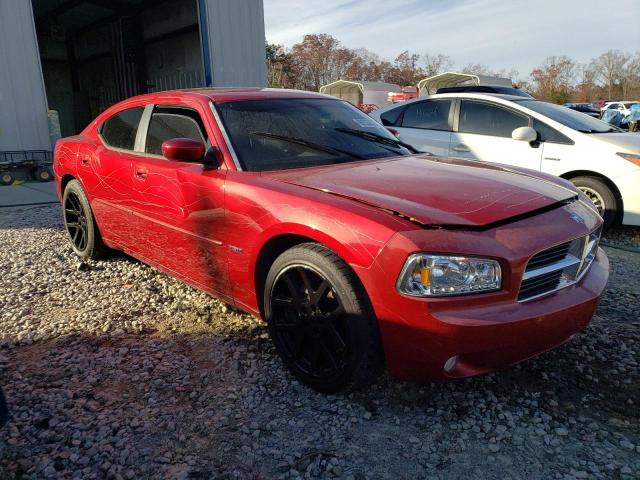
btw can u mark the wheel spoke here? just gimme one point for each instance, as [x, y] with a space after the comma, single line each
[296, 298]
[336, 335]
[320, 292]
[327, 353]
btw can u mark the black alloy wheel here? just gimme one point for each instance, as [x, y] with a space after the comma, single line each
[79, 222]
[75, 219]
[321, 321]
[309, 322]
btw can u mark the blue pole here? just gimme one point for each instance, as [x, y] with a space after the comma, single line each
[204, 42]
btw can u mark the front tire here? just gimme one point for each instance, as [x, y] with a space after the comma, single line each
[79, 223]
[602, 197]
[321, 321]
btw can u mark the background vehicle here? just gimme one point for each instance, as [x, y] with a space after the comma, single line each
[367, 96]
[586, 108]
[302, 210]
[506, 90]
[407, 93]
[599, 159]
[623, 107]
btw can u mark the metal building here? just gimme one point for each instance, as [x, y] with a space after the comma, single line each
[77, 57]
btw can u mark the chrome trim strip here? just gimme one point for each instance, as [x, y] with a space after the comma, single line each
[225, 135]
[568, 261]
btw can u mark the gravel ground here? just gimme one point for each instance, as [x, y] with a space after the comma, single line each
[113, 370]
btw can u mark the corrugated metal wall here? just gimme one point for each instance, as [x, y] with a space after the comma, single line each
[236, 41]
[23, 101]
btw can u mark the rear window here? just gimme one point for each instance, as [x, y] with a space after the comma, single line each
[429, 114]
[119, 130]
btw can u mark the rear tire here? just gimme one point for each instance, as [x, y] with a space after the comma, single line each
[80, 224]
[601, 196]
[6, 178]
[321, 321]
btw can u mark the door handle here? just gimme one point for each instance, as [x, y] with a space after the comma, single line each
[85, 162]
[141, 172]
[461, 147]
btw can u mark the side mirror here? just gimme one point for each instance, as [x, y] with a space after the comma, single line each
[525, 134]
[183, 150]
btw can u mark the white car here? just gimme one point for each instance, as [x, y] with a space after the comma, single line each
[622, 107]
[601, 160]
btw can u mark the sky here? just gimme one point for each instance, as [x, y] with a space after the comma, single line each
[502, 34]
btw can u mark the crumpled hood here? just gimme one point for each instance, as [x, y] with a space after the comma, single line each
[626, 142]
[434, 190]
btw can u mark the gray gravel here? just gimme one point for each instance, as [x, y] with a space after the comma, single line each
[113, 370]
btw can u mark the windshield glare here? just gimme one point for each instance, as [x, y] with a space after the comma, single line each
[569, 118]
[278, 134]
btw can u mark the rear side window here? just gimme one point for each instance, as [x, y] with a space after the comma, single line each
[485, 119]
[429, 114]
[391, 117]
[167, 123]
[119, 130]
[548, 134]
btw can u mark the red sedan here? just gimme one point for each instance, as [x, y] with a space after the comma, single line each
[300, 209]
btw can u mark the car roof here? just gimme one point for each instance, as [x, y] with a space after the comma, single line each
[236, 93]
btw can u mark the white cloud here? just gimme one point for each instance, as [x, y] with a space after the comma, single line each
[500, 33]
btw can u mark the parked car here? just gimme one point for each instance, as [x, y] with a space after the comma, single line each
[586, 108]
[302, 210]
[623, 107]
[407, 93]
[484, 89]
[601, 160]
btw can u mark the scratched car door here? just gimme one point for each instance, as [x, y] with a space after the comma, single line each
[179, 207]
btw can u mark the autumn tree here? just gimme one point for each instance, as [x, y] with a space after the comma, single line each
[553, 79]
[320, 59]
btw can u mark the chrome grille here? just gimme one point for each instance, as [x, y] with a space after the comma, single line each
[558, 266]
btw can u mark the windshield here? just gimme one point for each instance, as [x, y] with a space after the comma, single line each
[278, 134]
[570, 118]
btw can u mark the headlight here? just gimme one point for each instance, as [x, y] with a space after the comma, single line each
[631, 157]
[425, 275]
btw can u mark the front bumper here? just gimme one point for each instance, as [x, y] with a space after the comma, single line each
[484, 331]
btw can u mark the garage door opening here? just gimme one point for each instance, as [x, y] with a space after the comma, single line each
[95, 53]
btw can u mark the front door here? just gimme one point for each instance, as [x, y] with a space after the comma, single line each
[484, 133]
[179, 206]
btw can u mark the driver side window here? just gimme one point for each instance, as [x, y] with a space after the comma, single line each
[485, 119]
[171, 122]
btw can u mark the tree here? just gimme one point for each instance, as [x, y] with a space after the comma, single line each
[434, 64]
[405, 70]
[553, 79]
[320, 59]
[279, 65]
[610, 68]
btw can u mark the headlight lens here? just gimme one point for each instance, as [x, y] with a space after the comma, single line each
[631, 157]
[425, 275]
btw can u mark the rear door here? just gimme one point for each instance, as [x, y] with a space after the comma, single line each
[426, 125]
[179, 207]
[483, 132]
[108, 171]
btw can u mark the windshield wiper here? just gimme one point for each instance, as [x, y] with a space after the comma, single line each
[374, 137]
[312, 145]
[616, 130]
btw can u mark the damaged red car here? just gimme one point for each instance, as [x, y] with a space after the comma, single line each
[360, 254]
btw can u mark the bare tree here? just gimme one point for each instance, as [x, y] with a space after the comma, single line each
[434, 64]
[610, 67]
